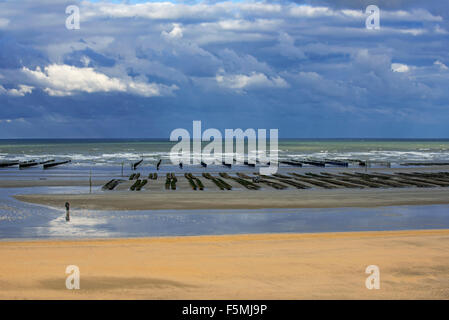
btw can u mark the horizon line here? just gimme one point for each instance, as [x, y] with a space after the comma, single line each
[280, 138]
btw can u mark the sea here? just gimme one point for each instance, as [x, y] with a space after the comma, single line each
[113, 153]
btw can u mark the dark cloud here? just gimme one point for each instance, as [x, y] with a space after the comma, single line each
[14, 55]
[88, 58]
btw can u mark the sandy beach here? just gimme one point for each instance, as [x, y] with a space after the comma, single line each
[413, 265]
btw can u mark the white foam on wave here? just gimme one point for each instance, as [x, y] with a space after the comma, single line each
[116, 158]
[378, 155]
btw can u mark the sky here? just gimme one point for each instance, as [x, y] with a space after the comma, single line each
[140, 69]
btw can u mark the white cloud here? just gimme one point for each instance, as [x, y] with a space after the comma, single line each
[255, 7]
[20, 92]
[310, 11]
[354, 13]
[168, 10]
[412, 15]
[399, 67]
[65, 80]
[414, 32]
[254, 80]
[151, 10]
[441, 65]
[245, 25]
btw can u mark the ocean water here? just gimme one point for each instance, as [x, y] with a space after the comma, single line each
[112, 153]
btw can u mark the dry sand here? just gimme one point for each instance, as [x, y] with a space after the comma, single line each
[413, 264]
[244, 199]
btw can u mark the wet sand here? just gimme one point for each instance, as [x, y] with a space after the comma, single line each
[243, 199]
[413, 265]
[153, 196]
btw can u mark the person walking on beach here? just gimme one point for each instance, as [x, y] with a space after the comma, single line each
[67, 211]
